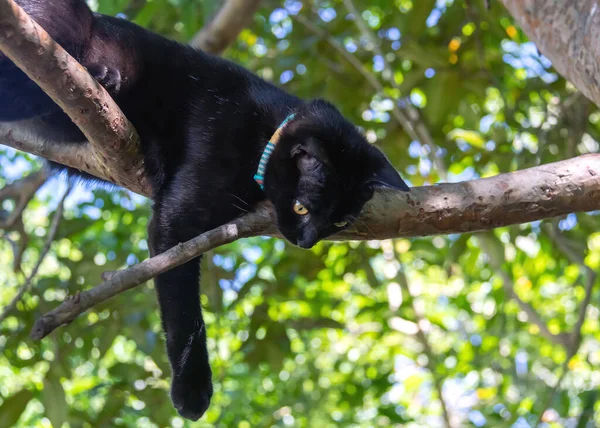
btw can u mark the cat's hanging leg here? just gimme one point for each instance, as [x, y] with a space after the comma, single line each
[179, 298]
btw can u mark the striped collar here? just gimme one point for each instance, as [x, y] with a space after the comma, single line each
[262, 165]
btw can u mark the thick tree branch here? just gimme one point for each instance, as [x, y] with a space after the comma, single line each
[23, 136]
[113, 148]
[224, 28]
[113, 156]
[568, 33]
[545, 191]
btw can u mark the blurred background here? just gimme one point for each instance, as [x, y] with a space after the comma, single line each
[497, 329]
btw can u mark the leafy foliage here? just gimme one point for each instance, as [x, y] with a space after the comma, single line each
[347, 334]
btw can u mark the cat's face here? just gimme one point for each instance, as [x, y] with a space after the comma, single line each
[322, 173]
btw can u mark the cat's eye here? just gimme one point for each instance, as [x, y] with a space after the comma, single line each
[300, 209]
[340, 224]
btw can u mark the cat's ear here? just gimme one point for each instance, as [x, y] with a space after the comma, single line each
[386, 176]
[311, 148]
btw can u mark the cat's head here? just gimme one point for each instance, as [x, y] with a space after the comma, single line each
[321, 174]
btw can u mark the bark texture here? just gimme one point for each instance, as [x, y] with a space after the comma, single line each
[23, 136]
[568, 33]
[531, 194]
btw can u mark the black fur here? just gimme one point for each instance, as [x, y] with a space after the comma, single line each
[204, 123]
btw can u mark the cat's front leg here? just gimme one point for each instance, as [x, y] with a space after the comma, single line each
[179, 298]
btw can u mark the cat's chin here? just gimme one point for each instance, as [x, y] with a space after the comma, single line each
[301, 243]
[306, 246]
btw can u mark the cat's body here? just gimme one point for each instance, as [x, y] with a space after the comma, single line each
[204, 123]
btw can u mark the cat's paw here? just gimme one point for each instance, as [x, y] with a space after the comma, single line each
[108, 77]
[191, 394]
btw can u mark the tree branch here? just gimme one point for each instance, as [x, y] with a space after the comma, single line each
[522, 196]
[527, 195]
[251, 224]
[567, 33]
[113, 149]
[21, 191]
[532, 194]
[23, 136]
[224, 28]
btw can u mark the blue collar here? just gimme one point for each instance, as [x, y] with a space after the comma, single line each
[259, 177]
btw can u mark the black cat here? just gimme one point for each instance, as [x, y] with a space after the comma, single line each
[204, 124]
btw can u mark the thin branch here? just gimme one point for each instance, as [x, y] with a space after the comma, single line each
[19, 245]
[113, 143]
[424, 341]
[575, 336]
[250, 225]
[223, 29]
[21, 191]
[564, 371]
[561, 339]
[52, 231]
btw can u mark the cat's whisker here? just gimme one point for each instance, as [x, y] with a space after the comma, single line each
[241, 200]
[363, 223]
[240, 208]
